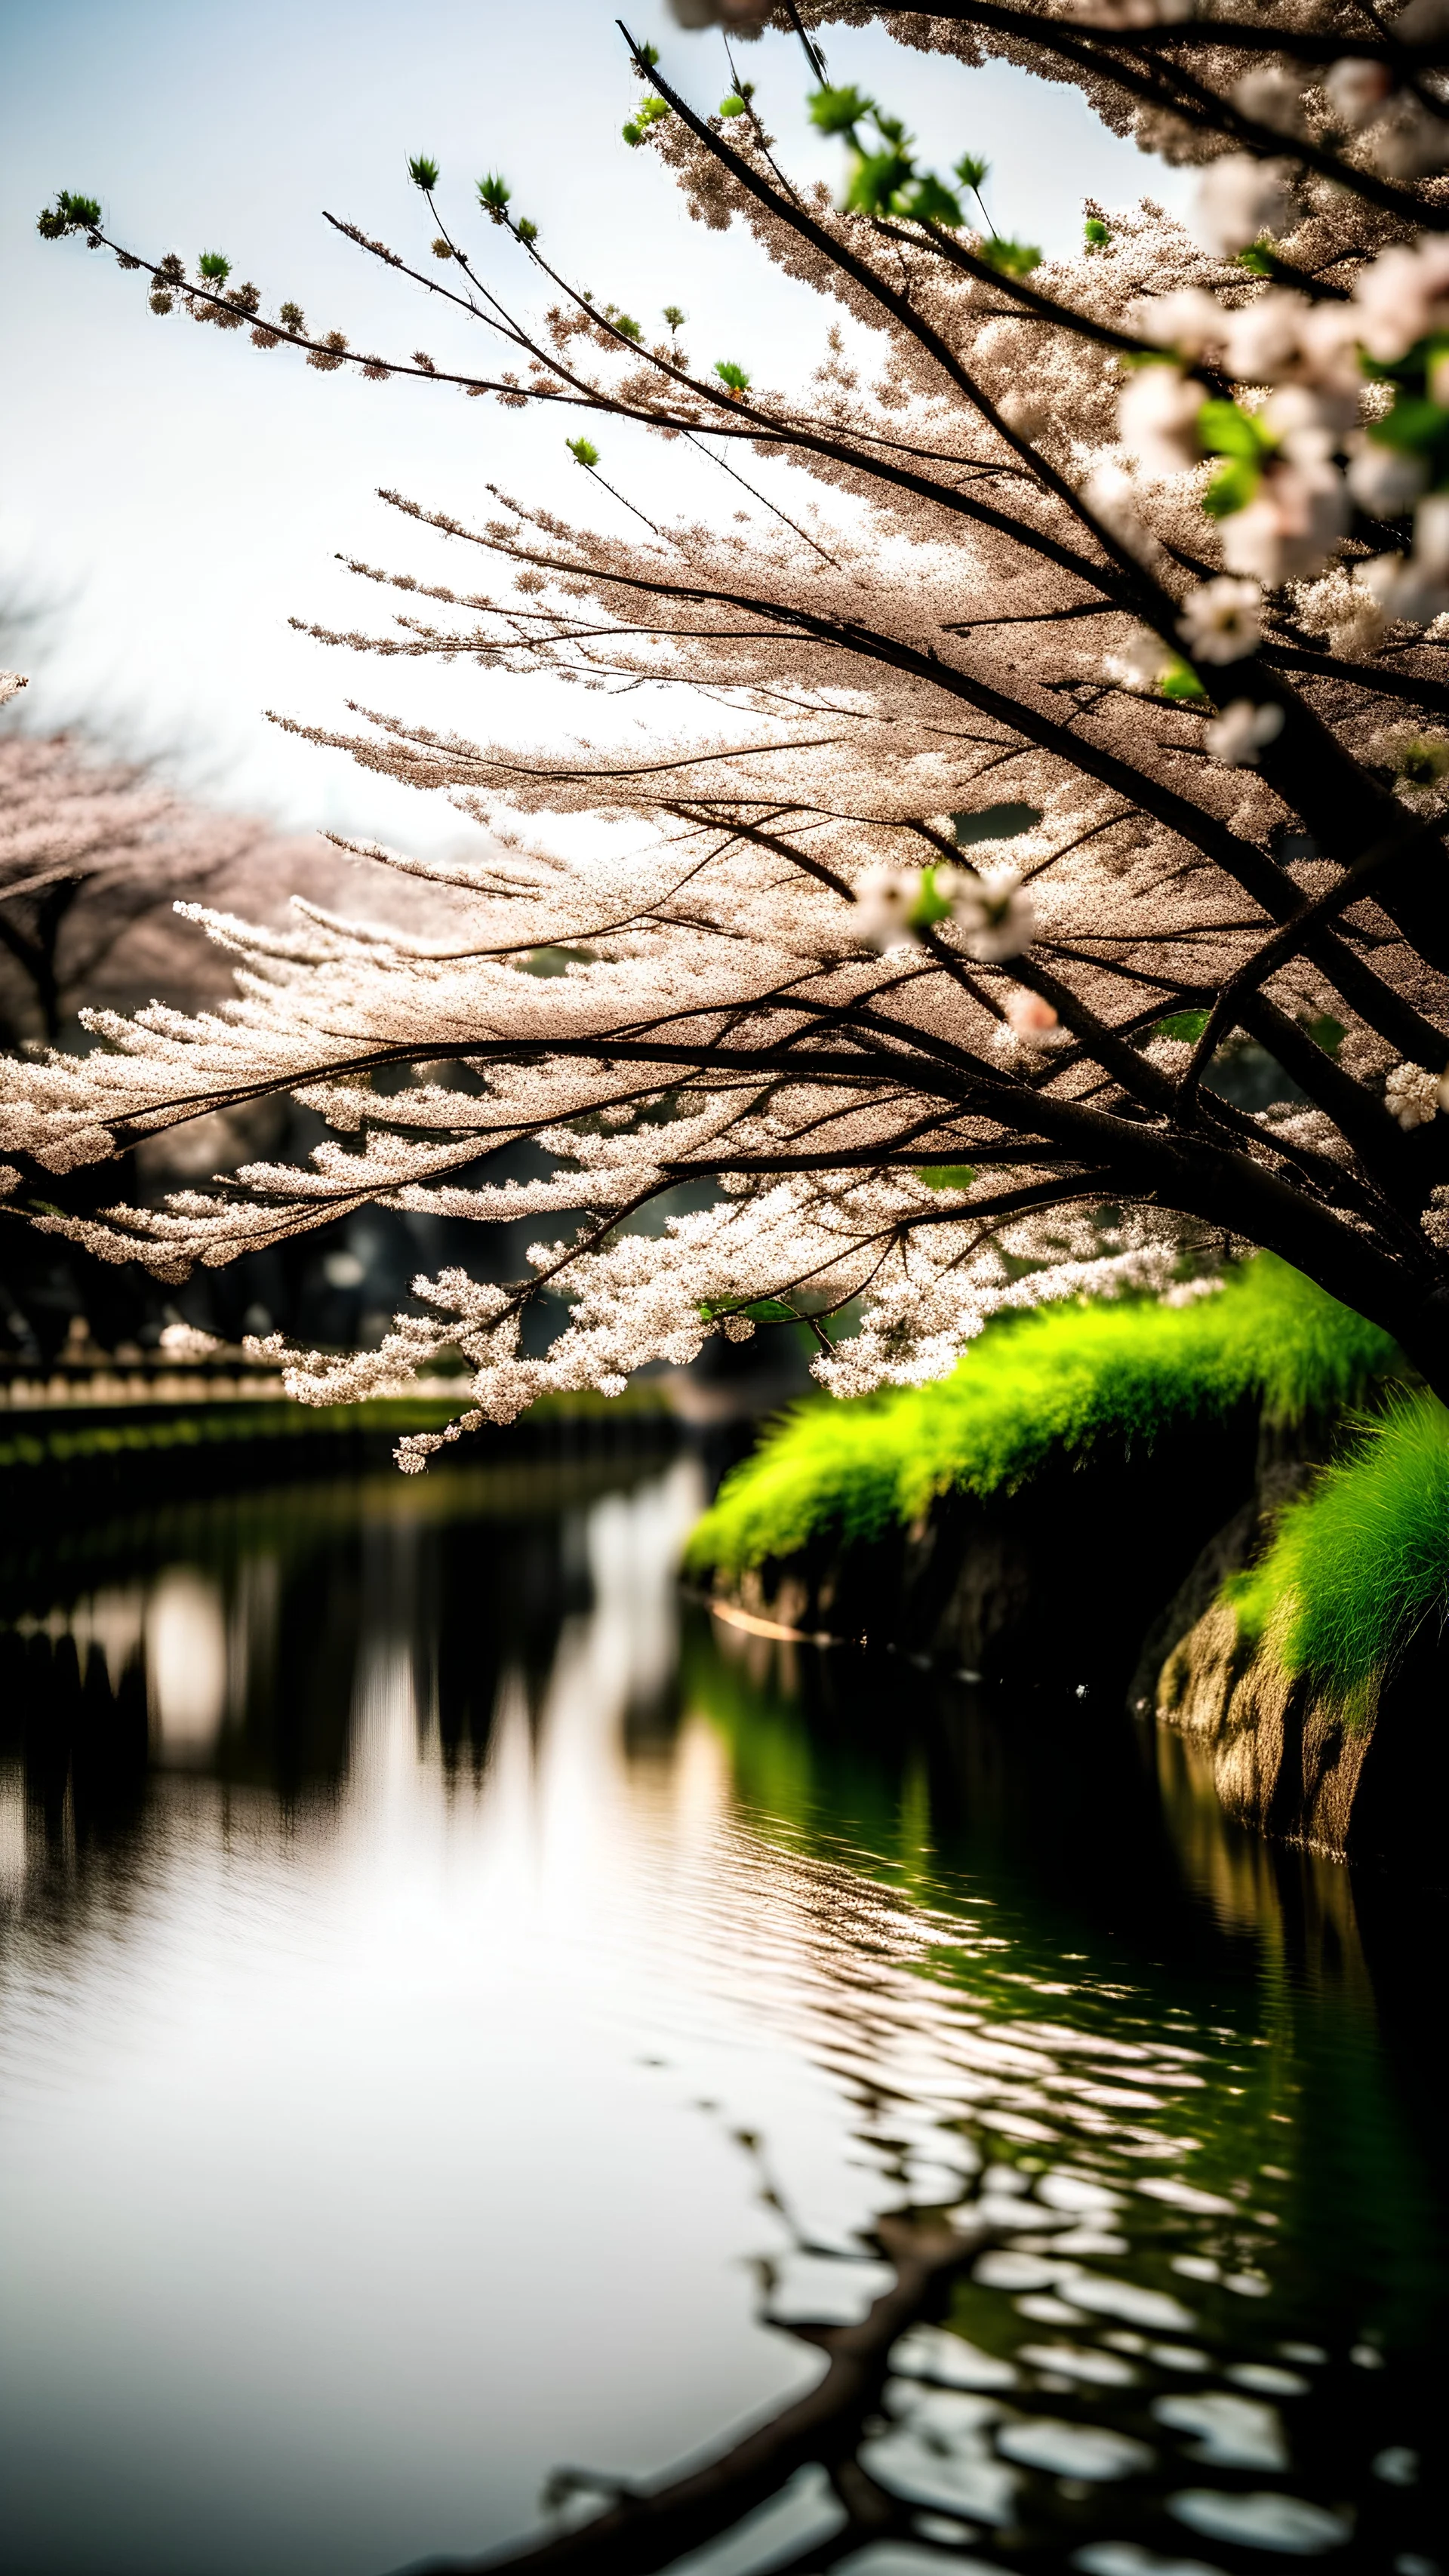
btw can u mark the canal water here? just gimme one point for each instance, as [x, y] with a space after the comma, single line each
[462, 2008]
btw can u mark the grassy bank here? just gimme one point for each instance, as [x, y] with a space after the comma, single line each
[1358, 1563]
[1034, 1387]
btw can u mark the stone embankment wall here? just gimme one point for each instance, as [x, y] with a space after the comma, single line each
[1363, 1783]
[1055, 1583]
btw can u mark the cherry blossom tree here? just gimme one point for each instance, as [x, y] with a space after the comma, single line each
[1063, 709]
[93, 857]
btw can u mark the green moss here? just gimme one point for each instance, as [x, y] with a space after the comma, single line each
[1357, 1563]
[1034, 1386]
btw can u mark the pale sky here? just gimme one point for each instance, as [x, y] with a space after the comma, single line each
[174, 495]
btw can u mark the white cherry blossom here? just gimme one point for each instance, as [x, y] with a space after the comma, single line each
[1032, 1021]
[1157, 418]
[1404, 588]
[1272, 97]
[1431, 535]
[1140, 661]
[995, 915]
[1356, 89]
[1189, 320]
[1411, 1095]
[1401, 296]
[1222, 620]
[1243, 730]
[1238, 199]
[1289, 531]
[1410, 141]
[885, 899]
[1385, 481]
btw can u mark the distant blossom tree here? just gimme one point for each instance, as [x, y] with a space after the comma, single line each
[1089, 717]
[93, 853]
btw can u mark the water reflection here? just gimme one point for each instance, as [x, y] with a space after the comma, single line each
[458, 2016]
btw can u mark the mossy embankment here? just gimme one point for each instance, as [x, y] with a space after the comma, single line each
[1257, 1459]
[1060, 1383]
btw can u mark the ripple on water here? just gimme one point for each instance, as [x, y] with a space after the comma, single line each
[1044, 2310]
[819, 2289]
[1267, 2380]
[1079, 2195]
[1264, 2520]
[1003, 2268]
[1186, 2195]
[1128, 2558]
[1072, 2361]
[1233, 2432]
[1074, 2450]
[910, 2558]
[940, 2455]
[929, 2352]
[1141, 2306]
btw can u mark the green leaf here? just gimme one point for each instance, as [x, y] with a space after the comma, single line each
[648, 54]
[835, 111]
[1227, 431]
[947, 1176]
[69, 214]
[215, 267]
[731, 375]
[526, 231]
[875, 181]
[929, 906]
[675, 316]
[1408, 370]
[972, 171]
[647, 113]
[930, 203]
[1326, 1032]
[1232, 488]
[627, 326]
[1013, 258]
[734, 105]
[493, 195]
[423, 172]
[583, 451]
[1414, 423]
[1095, 233]
[1187, 1026]
[1181, 684]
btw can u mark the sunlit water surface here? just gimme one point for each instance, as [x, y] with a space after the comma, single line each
[439, 1999]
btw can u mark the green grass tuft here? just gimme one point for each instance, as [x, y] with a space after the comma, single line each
[1357, 1563]
[1034, 1386]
